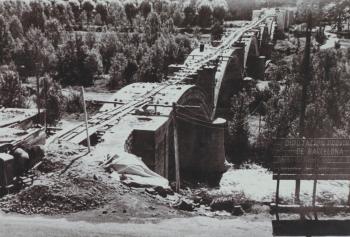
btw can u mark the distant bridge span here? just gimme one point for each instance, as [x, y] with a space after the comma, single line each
[140, 121]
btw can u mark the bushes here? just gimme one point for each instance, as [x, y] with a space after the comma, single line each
[73, 102]
[11, 90]
[55, 101]
[77, 64]
[237, 142]
[117, 71]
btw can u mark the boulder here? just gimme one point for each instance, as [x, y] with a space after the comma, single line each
[21, 161]
[222, 204]
[184, 205]
[36, 154]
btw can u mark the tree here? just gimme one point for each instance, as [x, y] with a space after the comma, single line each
[190, 13]
[35, 16]
[204, 16]
[219, 14]
[184, 48]
[101, 9]
[10, 89]
[54, 104]
[75, 7]
[77, 64]
[216, 31]
[88, 6]
[117, 71]
[153, 27]
[238, 132]
[108, 48]
[41, 57]
[178, 18]
[60, 12]
[305, 70]
[130, 11]
[90, 40]
[91, 68]
[67, 74]
[16, 28]
[53, 31]
[116, 14]
[83, 19]
[98, 20]
[6, 42]
[145, 8]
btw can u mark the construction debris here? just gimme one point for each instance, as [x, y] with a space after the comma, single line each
[133, 172]
[64, 196]
[184, 204]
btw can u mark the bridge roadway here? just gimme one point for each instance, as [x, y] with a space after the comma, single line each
[104, 120]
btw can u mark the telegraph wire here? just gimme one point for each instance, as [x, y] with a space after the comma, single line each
[194, 120]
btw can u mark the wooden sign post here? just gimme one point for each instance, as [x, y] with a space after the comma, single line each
[311, 159]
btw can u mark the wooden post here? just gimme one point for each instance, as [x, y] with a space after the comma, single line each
[349, 196]
[38, 93]
[277, 190]
[176, 151]
[45, 115]
[315, 186]
[315, 182]
[86, 119]
[277, 195]
[297, 191]
[6, 190]
[167, 155]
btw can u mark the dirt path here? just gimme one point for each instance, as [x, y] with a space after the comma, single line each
[245, 226]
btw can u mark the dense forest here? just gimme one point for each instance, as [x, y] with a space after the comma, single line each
[282, 108]
[76, 42]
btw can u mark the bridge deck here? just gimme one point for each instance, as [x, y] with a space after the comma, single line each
[105, 120]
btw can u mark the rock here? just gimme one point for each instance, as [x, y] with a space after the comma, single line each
[237, 211]
[184, 205]
[5, 210]
[151, 191]
[104, 212]
[21, 159]
[161, 191]
[222, 204]
[36, 154]
[203, 197]
[169, 191]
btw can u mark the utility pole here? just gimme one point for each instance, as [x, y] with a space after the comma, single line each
[176, 150]
[45, 114]
[86, 119]
[37, 89]
[305, 70]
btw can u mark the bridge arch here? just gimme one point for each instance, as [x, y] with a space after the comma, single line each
[228, 80]
[201, 154]
[251, 55]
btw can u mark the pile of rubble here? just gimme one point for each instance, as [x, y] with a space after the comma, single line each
[55, 191]
[61, 196]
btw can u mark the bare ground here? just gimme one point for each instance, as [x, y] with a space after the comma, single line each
[67, 186]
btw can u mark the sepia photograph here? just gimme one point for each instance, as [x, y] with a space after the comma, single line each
[174, 118]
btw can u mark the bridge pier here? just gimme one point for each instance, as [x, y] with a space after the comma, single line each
[206, 81]
[201, 150]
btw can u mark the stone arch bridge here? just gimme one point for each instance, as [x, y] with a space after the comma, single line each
[138, 119]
